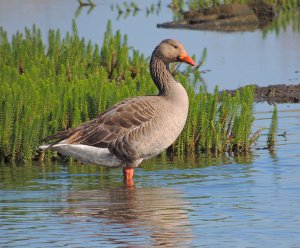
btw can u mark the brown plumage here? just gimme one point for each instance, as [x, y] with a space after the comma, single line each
[136, 128]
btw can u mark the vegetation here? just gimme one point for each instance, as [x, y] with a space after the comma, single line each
[218, 123]
[271, 140]
[283, 20]
[287, 12]
[128, 7]
[50, 87]
[199, 4]
[88, 3]
[125, 9]
[82, 5]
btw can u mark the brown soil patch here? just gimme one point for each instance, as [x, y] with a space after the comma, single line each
[279, 93]
[226, 17]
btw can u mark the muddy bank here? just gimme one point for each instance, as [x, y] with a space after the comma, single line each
[226, 17]
[279, 93]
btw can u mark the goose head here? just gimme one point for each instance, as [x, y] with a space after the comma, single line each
[171, 50]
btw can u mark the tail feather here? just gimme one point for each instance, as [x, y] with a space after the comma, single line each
[45, 146]
[85, 153]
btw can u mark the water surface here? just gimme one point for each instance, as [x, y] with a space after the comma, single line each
[247, 201]
[238, 204]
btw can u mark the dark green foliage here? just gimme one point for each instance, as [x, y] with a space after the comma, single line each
[48, 88]
[200, 4]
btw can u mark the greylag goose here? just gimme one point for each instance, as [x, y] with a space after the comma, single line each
[137, 128]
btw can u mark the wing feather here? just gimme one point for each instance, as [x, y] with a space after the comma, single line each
[111, 125]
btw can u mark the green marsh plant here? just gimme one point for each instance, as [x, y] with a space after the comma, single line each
[53, 86]
[218, 123]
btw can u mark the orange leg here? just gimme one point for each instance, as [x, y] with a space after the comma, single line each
[128, 173]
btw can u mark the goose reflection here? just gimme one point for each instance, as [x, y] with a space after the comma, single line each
[154, 216]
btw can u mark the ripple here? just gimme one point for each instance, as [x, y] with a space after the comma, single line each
[217, 202]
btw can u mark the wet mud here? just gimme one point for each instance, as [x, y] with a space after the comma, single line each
[226, 17]
[279, 93]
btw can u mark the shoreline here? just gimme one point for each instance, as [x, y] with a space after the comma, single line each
[277, 93]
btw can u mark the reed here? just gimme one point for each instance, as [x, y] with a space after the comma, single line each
[50, 87]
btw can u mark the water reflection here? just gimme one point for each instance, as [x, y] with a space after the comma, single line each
[184, 204]
[271, 17]
[125, 10]
[147, 216]
[283, 21]
[80, 8]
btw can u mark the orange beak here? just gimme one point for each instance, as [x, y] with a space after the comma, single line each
[184, 57]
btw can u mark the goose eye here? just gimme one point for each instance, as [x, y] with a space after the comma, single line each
[175, 46]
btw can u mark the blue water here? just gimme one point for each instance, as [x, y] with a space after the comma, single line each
[247, 201]
[230, 205]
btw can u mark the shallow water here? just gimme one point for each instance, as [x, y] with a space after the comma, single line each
[248, 201]
[234, 59]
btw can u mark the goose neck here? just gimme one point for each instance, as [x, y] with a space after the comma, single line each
[161, 74]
